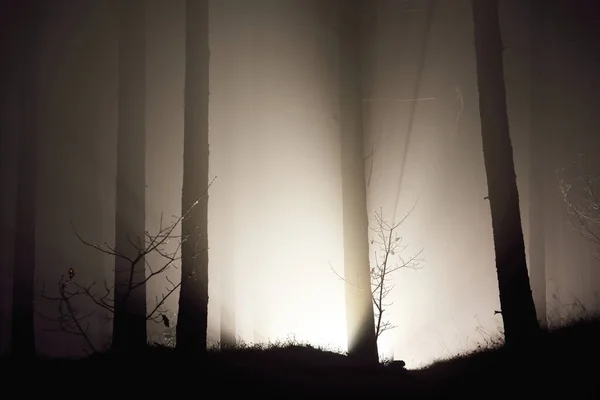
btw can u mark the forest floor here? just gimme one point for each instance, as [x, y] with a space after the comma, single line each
[563, 363]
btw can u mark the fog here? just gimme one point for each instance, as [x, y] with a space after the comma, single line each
[275, 207]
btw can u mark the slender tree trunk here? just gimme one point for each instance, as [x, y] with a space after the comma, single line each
[228, 289]
[23, 337]
[193, 301]
[538, 153]
[362, 343]
[430, 7]
[516, 301]
[129, 325]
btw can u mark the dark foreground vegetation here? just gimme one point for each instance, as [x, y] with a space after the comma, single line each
[563, 363]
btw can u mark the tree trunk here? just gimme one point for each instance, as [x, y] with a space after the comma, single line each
[538, 154]
[193, 300]
[362, 343]
[23, 337]
[129, 325]
[516, 301]
[228, 287]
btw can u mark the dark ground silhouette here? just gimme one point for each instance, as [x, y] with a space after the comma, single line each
[563, 363]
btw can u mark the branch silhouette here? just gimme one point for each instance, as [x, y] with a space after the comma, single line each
[71, 321]
[387, 260]
[580, 196]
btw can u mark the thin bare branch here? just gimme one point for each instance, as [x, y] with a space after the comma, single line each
[71, 322]
[583, 206]
[387, 259]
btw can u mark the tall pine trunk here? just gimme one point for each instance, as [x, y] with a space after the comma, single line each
[516, 301]
[193, 300]
[23, 337]
[538, 154]
[228, 287]
[362, 343]
[129, 325]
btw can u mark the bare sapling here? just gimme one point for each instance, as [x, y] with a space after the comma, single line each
[387, 259]
[73, 321]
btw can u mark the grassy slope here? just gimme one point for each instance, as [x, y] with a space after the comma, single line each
[563, 364]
